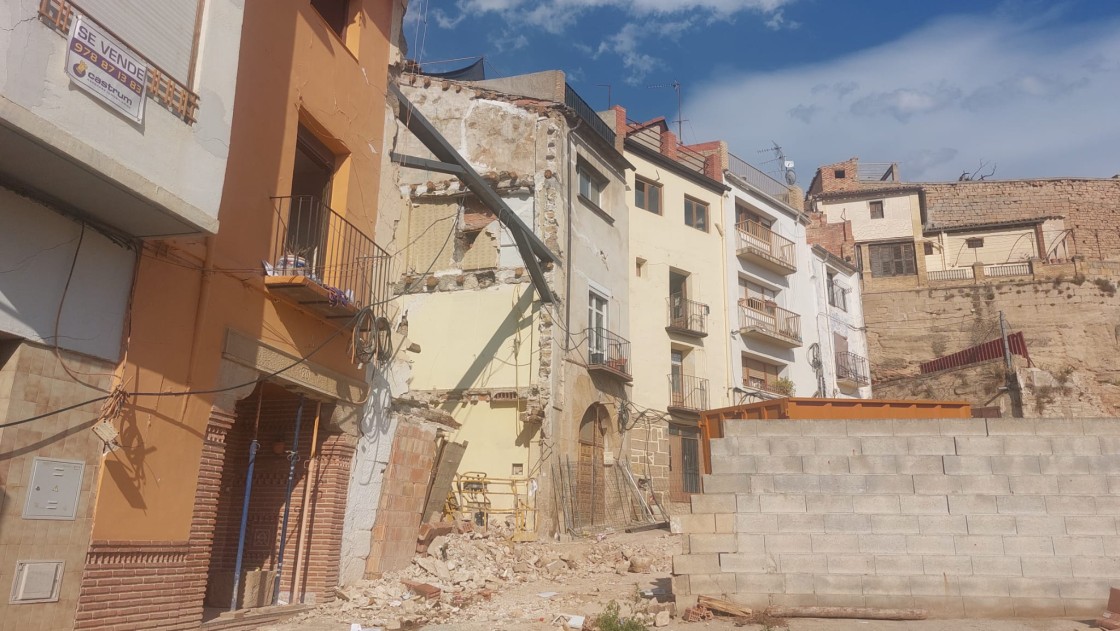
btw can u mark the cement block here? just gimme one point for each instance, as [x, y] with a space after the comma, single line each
[876, 504]
[1107, 505]
[1021, 505]
[984, 586]
[749, 599]
[947, 565]
[883, 445]
[696, 564]
[692, 524]
[747, 503]
[750, 544]
[870, 428]
[895, 524]
[841, 600]
[778, 464]
[825, 504]
[1011, 427]
[886, 586]
[1083, 484]
[882, 544]
[834, 544]
[1082, 608]
[797, 599]
[729, 483]
[1091, 525]
[1039, 525]
[755, 563]
[796, 483]
[972, 505]
[991, 524]
[847, 523]
[1033, 484]
[800, 523]
[1109, 445]
[727, 446]
[890, 484]
[788, 544]
[711, 584]
[977, 545]
[927, 585]
[1059, 427]
[930, 545]
[968, 465]
[1028, 545]
[1064, 465]
[825, 465]
[1027, 446]
[941, 606]
[894, 601]
[924, 505]
[916, 427]
[1102, 427]
[1047, 567]
[1104, 465]
[757, 583]
[1039, 607]
[750, 523]
[740, 428]
[942, 524]
[872, 464]
[1071, 505]
[963, 427]
[976, 606]
[984, 484]
[920, 465]
[1079, 546]
[722, 465]
[937, 484]
[712, 544]
[680, 585]
[898, 565]
[1076, 445]
[782, 503]
[802, 564]
[979, 445]
[837, 446]
[825, 584]
[931, 446]
[1114, 484]
[1085, 588]
[713, 503]
[997, 566]
[1034, 587]
[850, 484]
[1015, 465]
[725, 523]
[824, 428]
[752, 446]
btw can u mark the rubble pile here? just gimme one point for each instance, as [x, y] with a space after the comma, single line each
[461, 571]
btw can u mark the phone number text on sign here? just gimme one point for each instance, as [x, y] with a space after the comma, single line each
[106, 69]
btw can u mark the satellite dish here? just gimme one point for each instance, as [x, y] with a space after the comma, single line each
[791, 178]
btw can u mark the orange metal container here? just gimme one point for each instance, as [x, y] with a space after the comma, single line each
[711, 421]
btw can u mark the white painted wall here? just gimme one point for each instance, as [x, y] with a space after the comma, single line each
[37, 247]
[847, 322]
[901, 217]
[177, 165]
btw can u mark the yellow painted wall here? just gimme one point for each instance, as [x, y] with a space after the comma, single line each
[901, 217]
[951, 250]
[293, 69]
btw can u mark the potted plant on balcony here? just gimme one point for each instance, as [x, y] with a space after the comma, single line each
[783, 386]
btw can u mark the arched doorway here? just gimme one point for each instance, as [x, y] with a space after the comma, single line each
[590, 505]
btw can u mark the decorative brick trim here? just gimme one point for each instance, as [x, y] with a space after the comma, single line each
[134, 585]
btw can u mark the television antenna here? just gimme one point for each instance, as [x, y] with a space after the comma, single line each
[785, 165]
[676, 85]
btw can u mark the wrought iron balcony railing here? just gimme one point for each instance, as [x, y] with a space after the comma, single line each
[314, 243]
[688, 393]
[756, 239]
[609, 351]
[770, 319]
[687, 316]
[573, 100]
[852, 368]
[838, 296]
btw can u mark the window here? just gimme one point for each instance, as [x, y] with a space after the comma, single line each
[975, 242]
[839, 174]
[893, 259]
[647, 195]
[597, 323]
[837, 293]
[684, 462]
[591, 184]
[927, 247]
[760, 375]
[696, 214]
[743, 213]
[877, 210]
[336, 13]
[312, 172]
[755, 292]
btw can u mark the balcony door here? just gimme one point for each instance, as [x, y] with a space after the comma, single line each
[676, 377]
[678, 300]
[312, 172]
[597, 327]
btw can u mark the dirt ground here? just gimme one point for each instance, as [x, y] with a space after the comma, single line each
[495, 585]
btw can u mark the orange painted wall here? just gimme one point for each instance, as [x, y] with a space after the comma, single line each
[293, 68]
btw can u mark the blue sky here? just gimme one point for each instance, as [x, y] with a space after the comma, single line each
[1029, 87]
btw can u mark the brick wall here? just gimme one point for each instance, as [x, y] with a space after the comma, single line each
[827, 182]
[960, 517]
[403, 492]
[837, 237]
[32, 381]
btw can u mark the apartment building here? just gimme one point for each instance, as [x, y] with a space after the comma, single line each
[115, 124]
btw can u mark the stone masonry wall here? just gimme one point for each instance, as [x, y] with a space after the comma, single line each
[960, 517]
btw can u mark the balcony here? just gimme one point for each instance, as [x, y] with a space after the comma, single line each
[609, 354]
[769, 386]
[687, 317]
[323, 263]
[688, 395]
[760, 245]
[838, 296]
[587, 114]
[763, 320]
[851, 370]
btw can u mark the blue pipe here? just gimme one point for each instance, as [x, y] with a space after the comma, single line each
[293, 457]
[253, 446]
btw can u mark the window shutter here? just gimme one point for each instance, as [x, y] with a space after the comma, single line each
[162, 31]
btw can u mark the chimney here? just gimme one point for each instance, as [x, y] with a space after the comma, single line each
[669, 144]
[619, 127]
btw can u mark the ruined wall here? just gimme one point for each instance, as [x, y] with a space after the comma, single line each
[1071, 323]
[963, 517]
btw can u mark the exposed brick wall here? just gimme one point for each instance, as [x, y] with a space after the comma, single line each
[404, 490]
[837, 238]
[826, 181]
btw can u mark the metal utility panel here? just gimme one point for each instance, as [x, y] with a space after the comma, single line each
[54, 488]
[36, 582]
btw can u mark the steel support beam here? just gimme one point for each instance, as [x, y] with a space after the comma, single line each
[412, 162]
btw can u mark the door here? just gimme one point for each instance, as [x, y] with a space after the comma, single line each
[589, 496]
[311, 188]
[678, 300]
[676, 378]
[597, 321]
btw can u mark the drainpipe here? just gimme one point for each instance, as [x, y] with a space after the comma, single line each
[201, 307]
[293, 456]
[253, 447]
[312, 470]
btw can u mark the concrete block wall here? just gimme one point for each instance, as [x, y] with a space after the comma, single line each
[969, 517]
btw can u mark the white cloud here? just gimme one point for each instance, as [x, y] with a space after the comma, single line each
[1037, 98]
